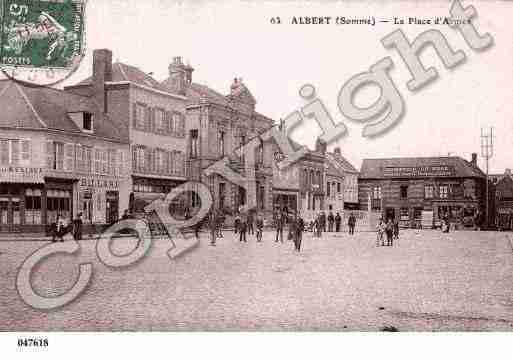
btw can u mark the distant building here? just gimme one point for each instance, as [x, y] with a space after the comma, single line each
[59, 155]
[503, 202]
[350, 174]
[218, 125]
[300, 187]
[410, 188]
[334, 187]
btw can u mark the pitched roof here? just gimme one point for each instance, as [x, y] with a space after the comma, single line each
[123, 72]
[342, 162]
[505, 187]
[373, 168]
[44, 107]
[333, 170]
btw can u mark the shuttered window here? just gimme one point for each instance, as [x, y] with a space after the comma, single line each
[69, 157]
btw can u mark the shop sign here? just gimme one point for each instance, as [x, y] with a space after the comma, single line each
[98, 182]
[419, 171]
[21, 175]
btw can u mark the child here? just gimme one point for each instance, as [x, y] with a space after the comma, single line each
[380, 231]
[259, 227]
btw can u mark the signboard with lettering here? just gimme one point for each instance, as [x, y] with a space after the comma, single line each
[21, 175]
[98, 182]
[419, 171]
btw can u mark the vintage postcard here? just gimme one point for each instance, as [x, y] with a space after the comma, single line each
[238, 166]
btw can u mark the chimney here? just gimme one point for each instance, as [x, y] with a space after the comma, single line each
[102, 72]
[320, 146]
[337, 150]
[180, 74]
[474, 159]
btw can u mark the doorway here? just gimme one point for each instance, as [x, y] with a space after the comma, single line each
[112, 210]
[389, 214]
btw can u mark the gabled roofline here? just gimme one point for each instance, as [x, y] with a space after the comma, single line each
[29, 104]
[147, 88]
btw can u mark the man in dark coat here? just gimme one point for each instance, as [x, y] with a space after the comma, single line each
[280, 222]
[243, 227]
[322, 219]
[351, 222]
[250, 223]
[331, 220]
[299, 227]
[77, 227]
[338, 220]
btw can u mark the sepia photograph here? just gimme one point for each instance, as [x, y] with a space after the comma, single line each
[254, 166]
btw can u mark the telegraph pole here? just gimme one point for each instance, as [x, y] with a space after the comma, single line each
[487, 153]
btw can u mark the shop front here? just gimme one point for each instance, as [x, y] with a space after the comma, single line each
[22, 191]
[285, 200]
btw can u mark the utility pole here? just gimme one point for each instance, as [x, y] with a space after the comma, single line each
[487, 153]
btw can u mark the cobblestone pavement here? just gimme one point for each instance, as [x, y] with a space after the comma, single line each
[428, 281]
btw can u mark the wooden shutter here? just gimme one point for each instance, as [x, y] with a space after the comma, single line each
[134, 115]
[147, 159]
[50, 158]
[25, 152]
[182, 125]
[69, 156]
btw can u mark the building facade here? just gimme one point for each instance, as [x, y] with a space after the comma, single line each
[58, 156]
[350, 176]
[503, 201]
[334, 188]
[421, 191]
[217, 127]
[153, 121]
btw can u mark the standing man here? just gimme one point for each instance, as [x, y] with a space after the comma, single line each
[331, 220]
[243, 227]
[77, 227]
[220, 222]
[259, 227]
[212, 224]
[351, 223]
[250, 223]
[300, 227]
[338, 220]
[323, 221]
[237, 222]
[279, 226]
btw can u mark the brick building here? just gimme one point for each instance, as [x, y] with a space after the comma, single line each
[151, 118]
[217, 126]
[59, 155]
[413, 190]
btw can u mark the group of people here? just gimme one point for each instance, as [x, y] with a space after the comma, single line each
[62, 226]
[246, 224]
[390, 229]
[296, 228]
[318, 225]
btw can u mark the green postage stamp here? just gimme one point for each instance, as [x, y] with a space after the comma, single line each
[41, 41]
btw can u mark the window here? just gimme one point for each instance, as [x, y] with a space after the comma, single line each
[444, 191]
[160, 161]
[139, 158]
[87, 121]
[221, 143]
[14, 152]
[328, 189]
[338, 187]
[260, 153]
[404, 191]
[177, 124]
[376, 192]
[119, 168]
[32, 206]
[57, 156]
[241, 149]
[159, 120]
[140, 116]
[222, 194]
[194, 143]
[429, 192]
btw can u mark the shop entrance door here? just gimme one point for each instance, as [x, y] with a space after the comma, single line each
[10, 213]
[112, 206]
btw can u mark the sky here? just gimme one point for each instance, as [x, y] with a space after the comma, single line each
[227, 39]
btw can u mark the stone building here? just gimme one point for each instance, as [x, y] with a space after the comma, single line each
[350, 174]
[59, 155]
[217, 126]
[334, 187]
[151, 118]
[420, 191]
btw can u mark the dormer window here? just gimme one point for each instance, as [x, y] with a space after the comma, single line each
[87, 121]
